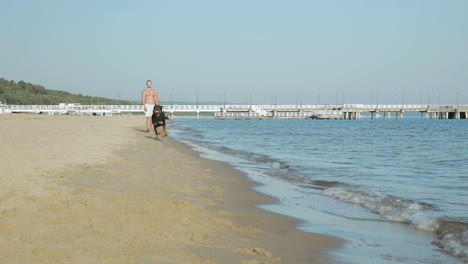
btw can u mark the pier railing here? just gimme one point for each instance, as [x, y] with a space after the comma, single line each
[244, 110]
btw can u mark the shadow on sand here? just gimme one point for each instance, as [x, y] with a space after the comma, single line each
[142, 130]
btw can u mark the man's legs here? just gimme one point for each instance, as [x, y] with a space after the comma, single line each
[149, 123]
[149, 114]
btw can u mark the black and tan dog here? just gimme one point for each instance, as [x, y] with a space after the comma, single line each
[159, 121]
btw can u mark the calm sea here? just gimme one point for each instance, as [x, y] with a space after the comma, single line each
[395, 189]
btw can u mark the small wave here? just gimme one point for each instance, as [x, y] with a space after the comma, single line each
[421, 215]
[449, 162]
[326, 184]
[197, 138]
[193, 132]
[250, 156]
[452, 236]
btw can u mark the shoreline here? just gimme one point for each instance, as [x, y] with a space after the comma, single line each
[81, 189]
[279, 233]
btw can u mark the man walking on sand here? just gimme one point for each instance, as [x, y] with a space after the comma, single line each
[149, 98]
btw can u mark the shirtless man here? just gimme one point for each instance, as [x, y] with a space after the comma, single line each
[149, 98]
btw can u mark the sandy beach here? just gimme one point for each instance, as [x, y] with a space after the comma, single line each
[79, 189]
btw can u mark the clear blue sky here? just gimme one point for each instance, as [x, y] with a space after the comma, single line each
[243, 50]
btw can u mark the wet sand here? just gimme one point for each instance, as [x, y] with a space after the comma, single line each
[79, 189]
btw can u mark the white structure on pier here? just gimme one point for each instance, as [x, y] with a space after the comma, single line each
[345, 111]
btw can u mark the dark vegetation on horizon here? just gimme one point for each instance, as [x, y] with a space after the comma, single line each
[23, 93]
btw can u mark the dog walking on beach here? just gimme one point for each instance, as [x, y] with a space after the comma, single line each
[159, 121]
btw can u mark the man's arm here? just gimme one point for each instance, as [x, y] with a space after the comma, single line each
[143, 100]
[156, 98]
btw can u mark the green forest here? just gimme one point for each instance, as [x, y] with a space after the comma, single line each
[23, 93]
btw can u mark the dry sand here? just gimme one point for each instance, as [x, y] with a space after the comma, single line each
[78, 189]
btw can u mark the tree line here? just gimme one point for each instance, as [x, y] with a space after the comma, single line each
[23, 93]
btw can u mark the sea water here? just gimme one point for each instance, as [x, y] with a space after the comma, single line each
[395, 189]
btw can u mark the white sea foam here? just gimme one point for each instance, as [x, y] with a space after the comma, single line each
[453, 237]
[275, 165]
[388, 207]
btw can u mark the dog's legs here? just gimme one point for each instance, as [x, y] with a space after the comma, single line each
[156, 132]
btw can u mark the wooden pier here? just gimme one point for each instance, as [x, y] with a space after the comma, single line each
[345, 111]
